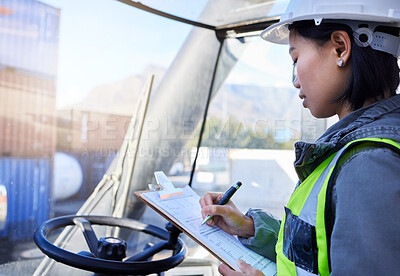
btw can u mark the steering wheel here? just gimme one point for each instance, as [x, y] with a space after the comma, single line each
[108, 255]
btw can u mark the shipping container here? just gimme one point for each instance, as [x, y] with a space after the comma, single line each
[27, 183]
[27, 115]
[29, 35]
[28, 70]
[83, 131]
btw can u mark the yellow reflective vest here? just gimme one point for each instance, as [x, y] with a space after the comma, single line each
[302, 247]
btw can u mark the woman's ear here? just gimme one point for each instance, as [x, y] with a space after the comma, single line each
[342, 46]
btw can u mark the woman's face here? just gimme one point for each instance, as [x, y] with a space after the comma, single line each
[319, 77]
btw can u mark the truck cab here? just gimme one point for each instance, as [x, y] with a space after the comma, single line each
[97, 95]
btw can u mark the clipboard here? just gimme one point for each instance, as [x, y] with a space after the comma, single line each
[176, 222]
[225, 247]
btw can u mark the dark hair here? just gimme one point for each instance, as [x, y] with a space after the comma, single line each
[374, 73]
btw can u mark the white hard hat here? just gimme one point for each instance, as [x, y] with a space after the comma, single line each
[384, 12]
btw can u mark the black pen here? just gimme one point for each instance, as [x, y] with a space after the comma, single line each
[225, 198]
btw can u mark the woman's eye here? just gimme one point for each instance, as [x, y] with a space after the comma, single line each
[294, 72]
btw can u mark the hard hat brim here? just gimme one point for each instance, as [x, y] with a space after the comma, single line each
[279, 32]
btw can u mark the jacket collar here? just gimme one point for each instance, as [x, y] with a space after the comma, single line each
[370, 121]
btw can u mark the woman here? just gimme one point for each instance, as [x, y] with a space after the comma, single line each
[344, 216]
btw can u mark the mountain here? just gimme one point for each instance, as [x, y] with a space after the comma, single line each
[249, 103]
[121, 96]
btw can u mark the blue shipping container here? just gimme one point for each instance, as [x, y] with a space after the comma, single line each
[28, 184]
[29, 36]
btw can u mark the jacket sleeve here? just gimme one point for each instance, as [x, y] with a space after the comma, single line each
[366, 231]
[266, 233]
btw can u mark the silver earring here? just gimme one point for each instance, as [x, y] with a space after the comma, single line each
[340, 63]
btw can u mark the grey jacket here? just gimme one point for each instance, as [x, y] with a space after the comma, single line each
[365, 198]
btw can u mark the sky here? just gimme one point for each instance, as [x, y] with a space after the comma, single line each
[103, 41]
[263, 64]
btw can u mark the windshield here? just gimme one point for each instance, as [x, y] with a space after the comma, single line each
[97, 95]
[221, 12]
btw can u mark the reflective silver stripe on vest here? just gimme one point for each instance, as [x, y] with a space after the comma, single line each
[309, 211]
[302, 272]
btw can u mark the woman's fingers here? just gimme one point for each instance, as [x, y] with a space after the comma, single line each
[245, 268]
[227, 271]
[223, 211]
[228, 217]
[248, 269]
[217, 210]
[210, 199]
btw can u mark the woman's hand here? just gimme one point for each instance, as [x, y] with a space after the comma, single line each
[244, 267]
[227, 217]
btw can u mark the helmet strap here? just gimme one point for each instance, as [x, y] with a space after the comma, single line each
[380, 41]
[365, 36]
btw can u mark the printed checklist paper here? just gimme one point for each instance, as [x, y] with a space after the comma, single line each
[185, 212]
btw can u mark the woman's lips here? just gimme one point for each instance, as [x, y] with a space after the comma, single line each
[303, 97]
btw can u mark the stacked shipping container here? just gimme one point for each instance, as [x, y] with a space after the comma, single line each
[31, 129]
[83, 131]
[27, 115]
[28, 63]
[28, 195]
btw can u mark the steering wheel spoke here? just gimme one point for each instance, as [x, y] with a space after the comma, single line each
[148, 252]
[89, 234]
